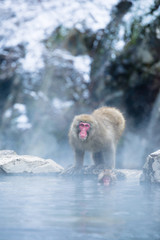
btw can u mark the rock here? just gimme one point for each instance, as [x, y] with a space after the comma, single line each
[11, 162]
[153, 135]
[92, 172]
[144, 56]
[151, 169]
[9, 61]
[7, 153]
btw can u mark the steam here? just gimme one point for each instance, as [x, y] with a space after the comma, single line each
[30, 23]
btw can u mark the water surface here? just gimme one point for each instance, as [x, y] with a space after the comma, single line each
[51, 208]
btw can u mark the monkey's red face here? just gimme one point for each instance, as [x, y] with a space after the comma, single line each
[106, 180]
[84, 130]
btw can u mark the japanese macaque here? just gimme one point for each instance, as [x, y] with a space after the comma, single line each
[97, 133]
[107, 177]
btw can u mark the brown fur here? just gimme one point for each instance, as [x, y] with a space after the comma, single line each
[107, 125]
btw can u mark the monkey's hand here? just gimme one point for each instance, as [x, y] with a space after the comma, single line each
[72, 171]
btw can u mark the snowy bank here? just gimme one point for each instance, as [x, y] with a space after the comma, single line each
[11, 162]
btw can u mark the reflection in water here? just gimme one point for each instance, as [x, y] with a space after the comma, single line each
[46, 207]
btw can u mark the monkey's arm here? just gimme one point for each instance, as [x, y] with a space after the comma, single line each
[79, 157]
[105, 158]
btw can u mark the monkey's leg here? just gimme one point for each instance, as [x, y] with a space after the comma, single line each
[79, 158]
[78, 165]
[98, 163]
[109, 158]
[97, 158]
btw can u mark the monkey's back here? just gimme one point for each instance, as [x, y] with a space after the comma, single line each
[107, 125]
[111, 117]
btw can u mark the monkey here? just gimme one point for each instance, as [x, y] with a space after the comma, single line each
[97, 133]
[107, 177]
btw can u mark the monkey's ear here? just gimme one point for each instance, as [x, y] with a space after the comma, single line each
[75, 122]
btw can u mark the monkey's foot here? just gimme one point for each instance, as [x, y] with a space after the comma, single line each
[72, 171]
[94, 169]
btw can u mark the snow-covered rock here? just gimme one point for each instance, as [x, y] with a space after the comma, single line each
[130, 175]
[151, 168]
[11, 162]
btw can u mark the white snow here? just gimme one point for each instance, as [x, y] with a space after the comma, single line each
[20, 107]
[8, 113]
[31, 22]
[81, 63]
[13, 163]
[141, 8]
[59, 104]
[158, 32]
[23, 122]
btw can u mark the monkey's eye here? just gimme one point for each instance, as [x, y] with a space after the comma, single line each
[85, 126]
[81, 125]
